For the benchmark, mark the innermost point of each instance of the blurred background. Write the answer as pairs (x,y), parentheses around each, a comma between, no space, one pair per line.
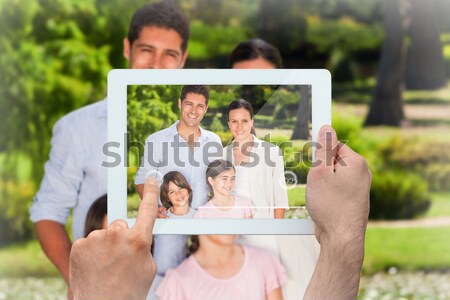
(390,62)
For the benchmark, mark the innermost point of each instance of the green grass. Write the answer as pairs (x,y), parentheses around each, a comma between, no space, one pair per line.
(407,249)
(440,205)
(25,260)
(296,196)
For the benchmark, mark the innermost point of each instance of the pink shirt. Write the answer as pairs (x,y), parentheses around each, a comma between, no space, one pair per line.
(260,274)
(242,209)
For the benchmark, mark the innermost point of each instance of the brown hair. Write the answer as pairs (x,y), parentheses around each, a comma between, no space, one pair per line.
(194,245)
(164,14)
(180,181)
(253,49)
(96,215)
(215,168)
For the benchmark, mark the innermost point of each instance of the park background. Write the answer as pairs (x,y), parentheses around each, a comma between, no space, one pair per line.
(390,62)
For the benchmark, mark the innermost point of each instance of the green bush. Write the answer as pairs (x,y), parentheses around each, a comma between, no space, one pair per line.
(438,177)
(225,136)
(430,159)
(15,200)
(301,171)
(216,125)
(131,172)
(398,195)
(348,127)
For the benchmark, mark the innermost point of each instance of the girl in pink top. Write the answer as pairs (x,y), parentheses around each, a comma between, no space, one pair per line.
(222,270)
(220,177)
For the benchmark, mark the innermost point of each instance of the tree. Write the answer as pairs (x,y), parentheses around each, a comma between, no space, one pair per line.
(386,106)
(301,128)
(425,63)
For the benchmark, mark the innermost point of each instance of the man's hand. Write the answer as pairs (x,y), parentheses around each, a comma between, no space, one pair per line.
(337,199)
(115,263)
(337,190)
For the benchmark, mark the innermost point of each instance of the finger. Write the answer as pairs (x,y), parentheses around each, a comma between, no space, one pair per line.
(118,225)
(344,155)
(327,147)
(148,209)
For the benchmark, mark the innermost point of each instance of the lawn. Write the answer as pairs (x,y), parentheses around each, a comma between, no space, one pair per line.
(26,259)
(407,249)
(440,205)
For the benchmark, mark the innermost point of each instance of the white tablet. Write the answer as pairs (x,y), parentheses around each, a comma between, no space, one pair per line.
(145,109)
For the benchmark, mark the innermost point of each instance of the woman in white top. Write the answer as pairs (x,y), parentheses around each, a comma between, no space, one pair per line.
(298,254)
(259,164)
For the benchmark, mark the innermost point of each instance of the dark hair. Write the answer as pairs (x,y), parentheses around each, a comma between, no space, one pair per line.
(253,49)
(194,245)
(164,14)
(215,168)
(179,180)
(195,89)
(96,215)
(241,103)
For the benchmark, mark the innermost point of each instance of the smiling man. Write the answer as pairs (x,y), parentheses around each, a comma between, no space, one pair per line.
(157,38)
(187,148)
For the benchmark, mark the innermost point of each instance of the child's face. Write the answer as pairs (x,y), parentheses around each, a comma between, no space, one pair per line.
(223,184)
(178,196)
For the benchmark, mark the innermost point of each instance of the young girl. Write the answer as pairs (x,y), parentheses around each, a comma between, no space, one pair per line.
(176,195)
(96,216)
(220,177)
(221,269)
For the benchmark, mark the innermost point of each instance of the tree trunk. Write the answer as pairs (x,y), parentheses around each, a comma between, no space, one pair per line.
(386,106)
(301,128)
(425,64)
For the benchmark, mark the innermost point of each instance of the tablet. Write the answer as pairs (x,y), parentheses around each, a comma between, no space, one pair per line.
(144,111)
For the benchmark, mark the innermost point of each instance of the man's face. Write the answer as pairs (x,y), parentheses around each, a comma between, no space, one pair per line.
(193,108)
(156,48)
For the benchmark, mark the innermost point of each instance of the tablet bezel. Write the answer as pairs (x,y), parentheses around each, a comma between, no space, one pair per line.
(120,79)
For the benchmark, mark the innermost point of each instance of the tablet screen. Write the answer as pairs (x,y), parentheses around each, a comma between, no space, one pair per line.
(221,152)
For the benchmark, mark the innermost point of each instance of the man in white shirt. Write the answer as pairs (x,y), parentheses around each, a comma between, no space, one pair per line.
(157,38)
(187,148)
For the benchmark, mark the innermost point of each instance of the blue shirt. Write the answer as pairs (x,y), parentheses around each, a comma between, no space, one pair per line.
(74,177)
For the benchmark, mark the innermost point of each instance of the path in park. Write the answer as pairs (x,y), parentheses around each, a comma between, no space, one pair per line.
(427,222)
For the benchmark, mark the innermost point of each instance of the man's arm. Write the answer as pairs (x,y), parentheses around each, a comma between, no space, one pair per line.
(337,198)
(57,194)
(337,273)
(279,184)
(56,245)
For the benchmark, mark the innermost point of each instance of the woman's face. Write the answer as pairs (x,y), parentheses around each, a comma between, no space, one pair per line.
(178,196)
(240,124)
(223,184)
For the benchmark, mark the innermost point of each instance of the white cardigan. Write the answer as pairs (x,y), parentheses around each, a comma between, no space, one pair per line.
(267,181)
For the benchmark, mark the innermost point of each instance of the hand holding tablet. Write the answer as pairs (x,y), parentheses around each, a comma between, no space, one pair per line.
(338,203)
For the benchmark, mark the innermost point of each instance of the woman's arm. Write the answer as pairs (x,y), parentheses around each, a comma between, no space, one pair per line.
(279,213)
(276,294)
(279,184)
